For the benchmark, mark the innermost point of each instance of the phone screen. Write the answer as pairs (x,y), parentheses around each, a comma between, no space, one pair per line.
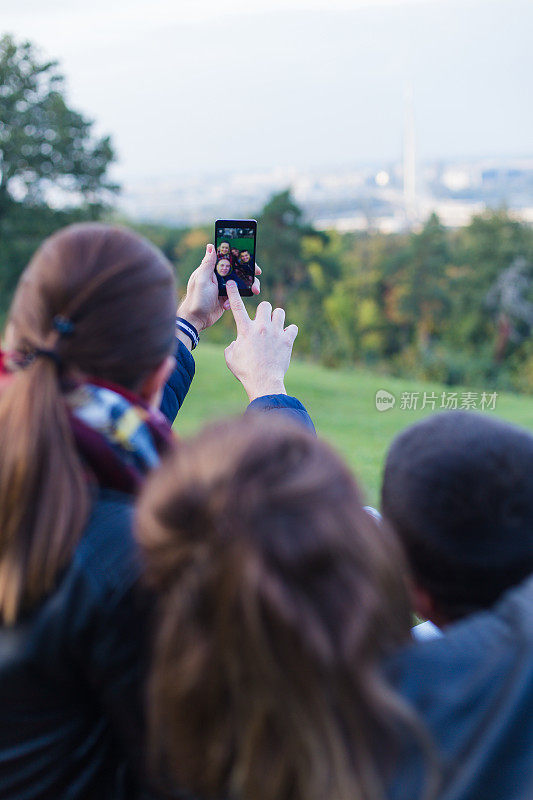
(235,241)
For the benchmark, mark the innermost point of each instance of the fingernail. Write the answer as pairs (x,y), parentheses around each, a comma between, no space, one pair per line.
(227,305)
(209,249)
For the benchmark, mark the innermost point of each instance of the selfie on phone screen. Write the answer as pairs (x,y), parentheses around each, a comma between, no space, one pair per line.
(235,244)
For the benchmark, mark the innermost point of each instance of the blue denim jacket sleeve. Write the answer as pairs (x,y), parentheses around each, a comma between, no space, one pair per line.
(178,383)
(285,405)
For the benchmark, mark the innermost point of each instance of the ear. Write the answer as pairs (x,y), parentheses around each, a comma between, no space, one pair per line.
(151,388)
(425,607)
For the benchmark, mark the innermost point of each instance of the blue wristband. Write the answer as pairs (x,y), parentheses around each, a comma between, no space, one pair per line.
(189,330)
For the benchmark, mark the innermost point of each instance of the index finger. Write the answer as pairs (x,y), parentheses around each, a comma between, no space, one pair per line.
(242,320)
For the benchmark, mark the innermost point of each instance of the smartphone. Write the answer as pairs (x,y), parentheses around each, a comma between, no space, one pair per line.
(235,242)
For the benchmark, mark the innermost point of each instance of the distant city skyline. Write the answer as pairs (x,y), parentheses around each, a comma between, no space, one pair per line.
(200,87)
(347,199)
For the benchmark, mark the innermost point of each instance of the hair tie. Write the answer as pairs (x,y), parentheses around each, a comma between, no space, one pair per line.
(51,355)
(63,325)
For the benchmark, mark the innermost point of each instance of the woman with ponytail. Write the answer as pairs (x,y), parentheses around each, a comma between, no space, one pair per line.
(90,352)
(280,599)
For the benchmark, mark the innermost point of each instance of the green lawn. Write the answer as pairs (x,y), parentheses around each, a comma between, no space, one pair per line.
(341,403)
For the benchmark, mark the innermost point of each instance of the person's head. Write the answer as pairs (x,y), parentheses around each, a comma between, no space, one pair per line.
(100,301)
(224,248)
(223,267)
(235,252)
(458,490)
(279,596)
(245,256)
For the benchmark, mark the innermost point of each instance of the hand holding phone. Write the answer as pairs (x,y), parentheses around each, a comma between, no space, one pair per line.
(202,305)
(235,242)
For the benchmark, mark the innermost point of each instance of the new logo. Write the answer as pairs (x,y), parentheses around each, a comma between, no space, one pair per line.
(384,400)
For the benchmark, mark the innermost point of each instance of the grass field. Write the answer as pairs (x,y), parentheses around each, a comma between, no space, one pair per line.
(341,404)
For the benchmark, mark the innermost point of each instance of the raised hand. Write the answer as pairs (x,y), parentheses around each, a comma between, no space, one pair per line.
(260,355)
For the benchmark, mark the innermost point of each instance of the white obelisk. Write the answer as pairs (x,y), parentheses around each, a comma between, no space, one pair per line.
(409,158)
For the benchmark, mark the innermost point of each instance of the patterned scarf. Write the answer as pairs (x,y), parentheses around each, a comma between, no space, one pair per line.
(119,437)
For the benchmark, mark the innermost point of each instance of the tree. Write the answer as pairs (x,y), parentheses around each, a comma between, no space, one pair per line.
(52,168)
(485,249)
(43,142)
(357,307)
(299,266)
(511,301)
(418,292)
(282,233)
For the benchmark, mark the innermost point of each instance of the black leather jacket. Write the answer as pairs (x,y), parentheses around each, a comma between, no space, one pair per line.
(70,674)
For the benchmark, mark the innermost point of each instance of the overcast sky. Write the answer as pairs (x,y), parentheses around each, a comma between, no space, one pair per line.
(196,85)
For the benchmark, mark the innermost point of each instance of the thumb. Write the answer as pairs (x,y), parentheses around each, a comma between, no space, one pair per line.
(228,352)
(209,260)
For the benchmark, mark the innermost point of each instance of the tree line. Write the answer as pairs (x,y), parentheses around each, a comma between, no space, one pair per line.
(454,306)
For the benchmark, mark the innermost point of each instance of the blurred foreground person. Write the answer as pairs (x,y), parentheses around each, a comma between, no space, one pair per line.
(90,345)
(279,596)
(458,490)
